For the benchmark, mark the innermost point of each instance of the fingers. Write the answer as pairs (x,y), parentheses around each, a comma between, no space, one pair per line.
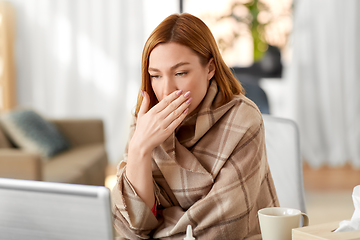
(163,104)
(178,109)
(145,103)
(172,103)
(175,113)
(168,112)
(156,123)
(177,120)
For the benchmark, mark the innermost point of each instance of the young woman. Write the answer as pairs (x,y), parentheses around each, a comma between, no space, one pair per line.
(196,153)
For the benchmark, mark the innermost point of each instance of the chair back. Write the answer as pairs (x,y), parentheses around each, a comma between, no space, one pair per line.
(284,157)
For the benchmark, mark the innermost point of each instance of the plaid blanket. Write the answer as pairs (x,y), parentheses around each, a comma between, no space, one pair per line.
(212,173)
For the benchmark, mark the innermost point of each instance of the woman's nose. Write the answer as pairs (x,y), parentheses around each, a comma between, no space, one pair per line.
(169,86)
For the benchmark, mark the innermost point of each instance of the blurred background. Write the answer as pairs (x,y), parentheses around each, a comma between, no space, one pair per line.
(296,59)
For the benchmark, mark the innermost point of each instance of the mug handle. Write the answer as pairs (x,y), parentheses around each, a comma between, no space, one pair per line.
(306,219)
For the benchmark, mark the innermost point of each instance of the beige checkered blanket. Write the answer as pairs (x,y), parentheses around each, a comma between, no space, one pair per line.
(212,173)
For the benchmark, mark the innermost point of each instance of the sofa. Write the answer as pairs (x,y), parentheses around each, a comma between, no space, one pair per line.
(84,162)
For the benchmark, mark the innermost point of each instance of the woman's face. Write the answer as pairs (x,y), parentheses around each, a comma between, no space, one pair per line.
(173,67)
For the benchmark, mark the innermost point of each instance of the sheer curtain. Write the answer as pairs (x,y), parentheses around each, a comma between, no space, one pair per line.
(326,75)
(81,58)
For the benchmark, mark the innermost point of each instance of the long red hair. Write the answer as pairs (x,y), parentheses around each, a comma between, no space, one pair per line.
(192,32)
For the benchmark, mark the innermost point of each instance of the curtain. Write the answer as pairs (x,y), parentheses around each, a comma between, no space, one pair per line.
(325,76)
(81,58)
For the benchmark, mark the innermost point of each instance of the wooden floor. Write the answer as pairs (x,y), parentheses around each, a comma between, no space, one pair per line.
(328,192)
(330,178)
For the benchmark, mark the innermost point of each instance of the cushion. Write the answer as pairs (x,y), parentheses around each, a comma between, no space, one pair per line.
(4,142)
(30,131)
(81,165)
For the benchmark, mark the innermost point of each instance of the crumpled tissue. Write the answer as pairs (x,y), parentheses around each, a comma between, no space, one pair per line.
(354,223)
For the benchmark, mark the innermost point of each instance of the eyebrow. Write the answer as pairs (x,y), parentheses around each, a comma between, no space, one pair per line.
(172,68)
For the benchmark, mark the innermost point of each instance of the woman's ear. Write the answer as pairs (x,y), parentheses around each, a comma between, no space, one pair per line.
(211,69)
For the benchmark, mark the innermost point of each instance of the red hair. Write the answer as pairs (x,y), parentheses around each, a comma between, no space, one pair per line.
(192,32)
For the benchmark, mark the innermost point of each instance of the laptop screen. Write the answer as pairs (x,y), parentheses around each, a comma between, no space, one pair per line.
(35,210)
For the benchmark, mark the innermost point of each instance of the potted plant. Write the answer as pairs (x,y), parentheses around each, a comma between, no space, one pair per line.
(254,17)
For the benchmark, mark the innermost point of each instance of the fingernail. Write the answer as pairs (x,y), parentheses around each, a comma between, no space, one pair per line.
(179,92)
(142,92)
(189,100)
(187,94)
(186,110)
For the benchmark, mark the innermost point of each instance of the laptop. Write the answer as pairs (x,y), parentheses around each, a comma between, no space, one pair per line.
(35,210)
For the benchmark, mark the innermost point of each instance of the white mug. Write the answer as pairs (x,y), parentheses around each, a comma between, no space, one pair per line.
(276,223)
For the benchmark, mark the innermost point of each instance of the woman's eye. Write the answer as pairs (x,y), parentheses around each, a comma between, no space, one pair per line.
(154,76)
(181,74)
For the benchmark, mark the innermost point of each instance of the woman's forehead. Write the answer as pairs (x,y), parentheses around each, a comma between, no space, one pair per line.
(171,54)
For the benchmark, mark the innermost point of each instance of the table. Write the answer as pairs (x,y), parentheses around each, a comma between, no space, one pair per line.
(323,232)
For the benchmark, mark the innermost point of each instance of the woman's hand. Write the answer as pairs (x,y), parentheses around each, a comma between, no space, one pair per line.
(154,126)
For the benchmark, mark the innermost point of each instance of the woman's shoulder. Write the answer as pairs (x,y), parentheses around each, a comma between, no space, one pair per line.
(246,111)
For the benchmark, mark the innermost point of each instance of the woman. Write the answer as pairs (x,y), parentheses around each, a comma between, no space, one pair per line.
(196,152)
